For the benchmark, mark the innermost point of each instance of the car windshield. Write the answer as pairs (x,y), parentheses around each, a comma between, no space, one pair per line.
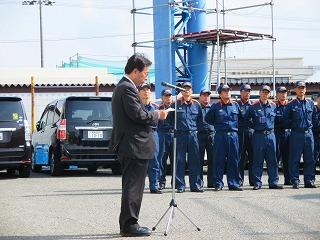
(89,111)
(11,111)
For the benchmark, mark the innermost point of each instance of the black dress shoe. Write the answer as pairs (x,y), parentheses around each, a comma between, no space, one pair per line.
(256,187)
(162,186)
(135,231)
(218,188)
(199,190)
(155,191)
(287,183)
(295,185)
(180,190)
(275,187)
(234,188)
(310,185)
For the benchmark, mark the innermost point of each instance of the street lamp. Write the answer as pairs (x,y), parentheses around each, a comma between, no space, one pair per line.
(40,3)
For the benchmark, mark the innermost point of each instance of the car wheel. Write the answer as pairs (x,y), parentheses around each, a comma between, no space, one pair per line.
(92,169)
(11,172)
(56,168)
(24,171)
(36,168)
(116,170)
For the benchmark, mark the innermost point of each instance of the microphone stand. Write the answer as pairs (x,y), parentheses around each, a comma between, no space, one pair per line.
(173,204)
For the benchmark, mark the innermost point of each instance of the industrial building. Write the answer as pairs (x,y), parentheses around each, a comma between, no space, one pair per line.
(54,83)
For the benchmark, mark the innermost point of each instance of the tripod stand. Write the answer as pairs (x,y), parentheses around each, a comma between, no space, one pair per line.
(173,204)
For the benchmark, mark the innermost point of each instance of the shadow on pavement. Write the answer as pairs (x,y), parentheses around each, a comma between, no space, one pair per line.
(307,196)
(64,237)
(66,173)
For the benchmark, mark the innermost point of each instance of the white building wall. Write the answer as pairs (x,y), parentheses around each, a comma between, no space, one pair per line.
(291,68)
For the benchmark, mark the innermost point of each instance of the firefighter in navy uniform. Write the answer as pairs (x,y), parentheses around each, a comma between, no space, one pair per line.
(245,134)
(316,130)
(299,116)
(189,115)
(205,136)
(282,133)
(224,117)
(262,114)
(153,167)
(165,132)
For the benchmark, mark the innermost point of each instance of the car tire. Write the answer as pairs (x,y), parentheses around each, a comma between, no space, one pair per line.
(24,171)
(56,168)
(92,169)
(11,172)
(116,170)
(37,168)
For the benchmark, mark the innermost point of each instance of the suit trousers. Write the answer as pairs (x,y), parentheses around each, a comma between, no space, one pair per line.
(134,172)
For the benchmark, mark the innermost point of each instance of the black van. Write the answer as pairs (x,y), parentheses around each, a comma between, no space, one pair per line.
(15,137)
(74,133)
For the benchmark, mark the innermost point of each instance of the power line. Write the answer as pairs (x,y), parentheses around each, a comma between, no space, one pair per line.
(72,39)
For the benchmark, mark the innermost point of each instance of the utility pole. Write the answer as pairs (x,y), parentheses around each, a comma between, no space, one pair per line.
(40,3)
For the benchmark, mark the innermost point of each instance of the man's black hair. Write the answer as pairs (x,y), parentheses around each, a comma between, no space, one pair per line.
(137,61)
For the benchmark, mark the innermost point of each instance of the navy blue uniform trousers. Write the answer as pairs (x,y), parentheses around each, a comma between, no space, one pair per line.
(316,147)
(188,143)
(264,148)
(154,166)
(301,143)
(165,151)
(225,156)
(206,145)
(282,151)
(245,138)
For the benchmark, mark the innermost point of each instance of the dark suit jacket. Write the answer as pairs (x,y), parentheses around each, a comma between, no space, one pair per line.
(132,133)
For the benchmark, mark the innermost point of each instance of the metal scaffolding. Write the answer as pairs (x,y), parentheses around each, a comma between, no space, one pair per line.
(218,38)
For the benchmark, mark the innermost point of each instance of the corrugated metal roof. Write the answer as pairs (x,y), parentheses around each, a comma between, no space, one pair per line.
(55,77)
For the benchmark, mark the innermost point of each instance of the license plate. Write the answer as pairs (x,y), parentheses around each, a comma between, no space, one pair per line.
(95,134)
(1,136)
(73,167)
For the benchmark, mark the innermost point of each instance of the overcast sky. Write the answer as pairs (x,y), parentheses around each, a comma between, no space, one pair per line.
(102,29)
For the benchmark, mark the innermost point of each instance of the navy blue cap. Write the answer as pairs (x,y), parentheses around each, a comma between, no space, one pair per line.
(300,84)
(144,85)
(204,91)
(187,84)
(223,87)
(245,87)
(281,89)
(166,92)
(265,88)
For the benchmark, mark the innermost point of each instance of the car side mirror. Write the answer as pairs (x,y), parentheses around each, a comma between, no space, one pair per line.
(38,126)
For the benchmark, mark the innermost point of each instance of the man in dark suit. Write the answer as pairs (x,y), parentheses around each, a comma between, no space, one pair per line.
(133,141)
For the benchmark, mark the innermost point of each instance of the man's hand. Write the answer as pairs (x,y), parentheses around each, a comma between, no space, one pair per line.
(162,114)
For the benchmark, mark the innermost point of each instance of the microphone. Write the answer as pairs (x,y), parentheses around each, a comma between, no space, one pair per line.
(165,84)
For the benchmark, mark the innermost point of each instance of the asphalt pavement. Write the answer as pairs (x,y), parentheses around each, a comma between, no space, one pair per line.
(80,205)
